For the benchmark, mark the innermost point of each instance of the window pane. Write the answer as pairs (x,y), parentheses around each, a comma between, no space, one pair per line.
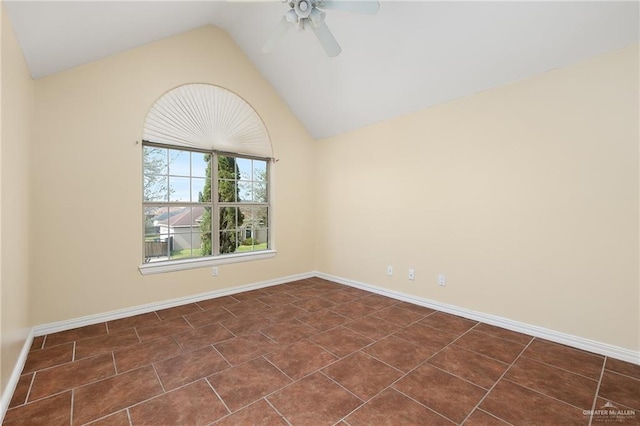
(245,191)
(228,241)
(156,188)
(180,220)
(197,190)
(179,189)
(227,191)
(179,163)
(204,228)
(260,192)
(227,168)
(155,234)
(199,164)
(260,170)
(155,160)
(228,218)
(244,167)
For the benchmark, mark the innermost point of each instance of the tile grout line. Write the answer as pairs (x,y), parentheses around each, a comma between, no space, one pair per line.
(159,380)
(129,416)
(277,411)
(219,397)
(33,378)
(544,394)
(73,394)
(595,397)
(560,368)
(498,381)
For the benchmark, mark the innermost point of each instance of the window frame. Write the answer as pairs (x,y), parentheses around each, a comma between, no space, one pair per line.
(215,258)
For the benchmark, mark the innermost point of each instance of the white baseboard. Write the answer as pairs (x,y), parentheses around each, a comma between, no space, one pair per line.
(41,330)
(532,330)
(8,391)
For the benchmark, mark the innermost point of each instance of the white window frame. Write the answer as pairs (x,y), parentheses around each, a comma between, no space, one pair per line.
(214,259)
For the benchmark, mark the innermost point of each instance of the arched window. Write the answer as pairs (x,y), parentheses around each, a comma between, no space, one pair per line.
(206,180)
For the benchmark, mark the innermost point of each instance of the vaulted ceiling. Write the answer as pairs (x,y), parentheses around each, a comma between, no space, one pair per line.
(408,56)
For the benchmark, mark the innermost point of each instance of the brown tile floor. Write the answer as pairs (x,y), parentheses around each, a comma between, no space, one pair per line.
(313,352)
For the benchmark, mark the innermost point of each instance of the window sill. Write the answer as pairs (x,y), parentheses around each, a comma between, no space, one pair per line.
(183,265)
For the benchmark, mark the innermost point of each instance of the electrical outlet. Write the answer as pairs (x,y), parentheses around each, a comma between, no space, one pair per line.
(390,270)
(442,280)
(412,274)
(214,271)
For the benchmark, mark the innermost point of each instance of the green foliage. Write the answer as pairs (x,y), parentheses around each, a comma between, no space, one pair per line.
(250,242)
(230,217)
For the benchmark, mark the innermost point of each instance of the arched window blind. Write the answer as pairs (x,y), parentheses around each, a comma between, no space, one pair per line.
(207,117)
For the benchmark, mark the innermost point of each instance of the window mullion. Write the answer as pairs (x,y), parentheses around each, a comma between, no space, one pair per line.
(215,213)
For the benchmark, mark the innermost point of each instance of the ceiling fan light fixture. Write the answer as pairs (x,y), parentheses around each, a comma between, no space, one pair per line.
(303,8)
(291,16)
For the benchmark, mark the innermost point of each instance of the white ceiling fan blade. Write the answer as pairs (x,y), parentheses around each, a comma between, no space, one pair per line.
(364,7)
(276,37)
(327,40)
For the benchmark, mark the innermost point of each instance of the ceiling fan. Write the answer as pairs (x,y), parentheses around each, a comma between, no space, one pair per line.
(307,14)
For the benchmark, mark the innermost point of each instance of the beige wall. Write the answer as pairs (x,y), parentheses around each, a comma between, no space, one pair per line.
(525,196)
(16,118)
(87,227)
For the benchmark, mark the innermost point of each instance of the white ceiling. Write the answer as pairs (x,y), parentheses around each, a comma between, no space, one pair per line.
(409,56)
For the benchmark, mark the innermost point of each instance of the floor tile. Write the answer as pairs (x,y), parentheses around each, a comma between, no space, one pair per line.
(48,357)
(107,343)
(427,337)
(75,334)
(471,366)
(574,360)
(121,418)
(195,404)
(341,341)
(248,382)
(245,307)
(284,313)
(249,295)
(493,347)
(178,311)
(164,328)
(363,375)
(71,375)
(560,384)
(422,310)
(376,301)
(107,396)
(19,396)
(503,333)
(217,302)
(146,353)
(201,337)
(187,368)
(392,408)
(257,414)
(339,296)
(301,358)
(373,327)
(353,310)
(314,400)
(38,343)
(278,299)
(308,294)
(521,406)
(247,323)
(482,418)
(323,320)
(314,304)
(449,323)
(399,353)
(622,367)
(398,316)
(141,320)
(285,333)
(450,396)
(212,316)
(246,347)
(53,411)
(622,389)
